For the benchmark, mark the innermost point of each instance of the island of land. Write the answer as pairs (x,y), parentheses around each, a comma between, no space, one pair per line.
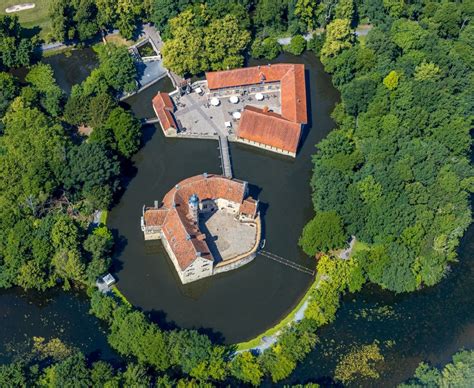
(208,224)
(261,106)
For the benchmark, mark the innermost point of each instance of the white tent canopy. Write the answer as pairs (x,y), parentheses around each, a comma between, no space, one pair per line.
(215,101)
(234,99)
(259,96)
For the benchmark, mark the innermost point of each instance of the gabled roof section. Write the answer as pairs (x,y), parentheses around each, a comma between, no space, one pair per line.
(163,101)
(292,83)
(164,108)
(269,128)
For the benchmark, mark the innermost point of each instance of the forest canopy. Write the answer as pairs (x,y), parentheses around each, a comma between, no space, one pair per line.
(397,169)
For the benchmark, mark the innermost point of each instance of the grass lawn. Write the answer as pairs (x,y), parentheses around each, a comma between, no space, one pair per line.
(30,18)
(103,217)
(118,40)
(280,325)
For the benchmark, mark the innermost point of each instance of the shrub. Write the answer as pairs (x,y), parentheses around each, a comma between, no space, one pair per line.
(297,45)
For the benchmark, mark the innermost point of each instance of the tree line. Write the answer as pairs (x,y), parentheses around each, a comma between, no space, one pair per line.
(53,179)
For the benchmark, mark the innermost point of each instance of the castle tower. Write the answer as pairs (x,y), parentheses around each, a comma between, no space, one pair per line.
(193,204)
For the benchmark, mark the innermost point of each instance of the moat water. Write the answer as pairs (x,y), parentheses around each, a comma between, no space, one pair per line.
(428,325)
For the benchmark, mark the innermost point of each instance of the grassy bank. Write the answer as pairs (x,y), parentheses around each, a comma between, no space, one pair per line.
(242,346)
(31,18)
(120,296)
(61,50)
(103,217)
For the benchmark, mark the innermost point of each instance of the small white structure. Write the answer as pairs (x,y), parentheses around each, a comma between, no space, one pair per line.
(234,99)
(259,96)
(228,124)
(20,7)
(215,101)
(198,91)
(237,115)
(105,282)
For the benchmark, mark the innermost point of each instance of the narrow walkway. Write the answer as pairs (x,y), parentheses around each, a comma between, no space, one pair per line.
(225,156)
(287,262)
(151,121)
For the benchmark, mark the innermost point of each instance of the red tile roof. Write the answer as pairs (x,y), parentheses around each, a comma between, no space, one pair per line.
(155,217)
(249,207)
(163,107)
(182,233)
(290,76)
(269,128)
(163,100)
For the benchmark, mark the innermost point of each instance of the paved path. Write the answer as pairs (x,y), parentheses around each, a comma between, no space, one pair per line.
(286,41)
(361,30)
(53,46)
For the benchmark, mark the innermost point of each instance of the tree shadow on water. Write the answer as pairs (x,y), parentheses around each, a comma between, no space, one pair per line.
(120,242)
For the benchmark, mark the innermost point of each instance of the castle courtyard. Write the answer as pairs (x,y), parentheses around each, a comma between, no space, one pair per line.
(198,117)
(228,237)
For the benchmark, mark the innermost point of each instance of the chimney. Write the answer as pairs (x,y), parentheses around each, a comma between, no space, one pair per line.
(156,204)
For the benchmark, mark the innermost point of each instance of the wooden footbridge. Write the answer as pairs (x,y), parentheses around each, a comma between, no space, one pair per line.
(287,262)
(225,156)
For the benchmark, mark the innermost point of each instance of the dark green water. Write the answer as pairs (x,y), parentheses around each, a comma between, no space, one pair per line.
(428,325)
(72,67)
(52,314)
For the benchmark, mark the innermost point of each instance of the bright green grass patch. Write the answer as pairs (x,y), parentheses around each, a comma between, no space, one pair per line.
(103,217)
(360,246)
(121,296)
(242,346)
(30,18)
(62,50)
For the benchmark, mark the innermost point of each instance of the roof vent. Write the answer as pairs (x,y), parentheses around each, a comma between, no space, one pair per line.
(204,175)
(269,65)
(156,204)
(198,254)
(188,237)
(176,187)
